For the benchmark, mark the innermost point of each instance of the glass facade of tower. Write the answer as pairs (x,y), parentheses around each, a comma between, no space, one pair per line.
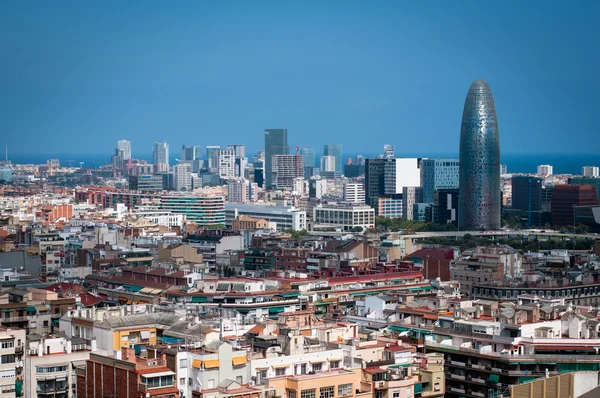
(276,143)
(335,150)
(480,197)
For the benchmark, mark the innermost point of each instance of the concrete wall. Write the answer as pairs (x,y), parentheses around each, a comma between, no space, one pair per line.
(21,259)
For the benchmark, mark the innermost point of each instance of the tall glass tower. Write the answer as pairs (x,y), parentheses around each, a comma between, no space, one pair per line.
(276,143)
(334,150)
(479,161)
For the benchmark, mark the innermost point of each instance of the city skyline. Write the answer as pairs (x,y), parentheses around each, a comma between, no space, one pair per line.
(148,89)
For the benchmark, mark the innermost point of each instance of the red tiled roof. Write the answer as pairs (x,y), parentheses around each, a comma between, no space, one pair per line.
(61,286)
(89,300)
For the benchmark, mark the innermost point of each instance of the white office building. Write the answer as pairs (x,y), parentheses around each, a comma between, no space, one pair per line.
(182,177)
(344,216)
(226,163)
(410,197)
(402,172)
(328,163)
(354,192)
(285,217)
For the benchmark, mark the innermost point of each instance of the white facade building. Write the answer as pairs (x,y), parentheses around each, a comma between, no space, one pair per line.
(590,171)
(242,191)
(125,146)
(285,169)
(182,177)
(11,366)
(544,170)
(403,172)
(285,217)
(328,163)
(410,196)
(226,163)
(354,192)
(344,216)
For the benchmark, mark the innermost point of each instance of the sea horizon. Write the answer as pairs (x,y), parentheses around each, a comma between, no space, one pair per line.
(515,162)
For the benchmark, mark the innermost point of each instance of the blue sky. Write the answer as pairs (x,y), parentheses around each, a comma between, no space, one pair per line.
(78,76)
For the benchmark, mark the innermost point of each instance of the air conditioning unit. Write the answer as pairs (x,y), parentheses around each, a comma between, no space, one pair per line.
(152,363)
(251,383)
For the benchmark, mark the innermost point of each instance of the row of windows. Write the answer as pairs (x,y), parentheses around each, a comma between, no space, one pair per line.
(50,369)
(324,392)
(556,293)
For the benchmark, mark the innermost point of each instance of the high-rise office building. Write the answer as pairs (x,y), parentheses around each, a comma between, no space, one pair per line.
(334,150)
(590,171)
(437,174)
(545,170)
(503,169)
(375,180)
(160,157)
(410,197)
(479,182)
(182,177)
(238,149)
(309,156)
(285,169)
(400,173)
(125,146)
(226,163)
(276,143)
(445,206)
(586,181)
(527,198)
(212,157)
(565,198)
(328,164)
(388,151)
(191,153)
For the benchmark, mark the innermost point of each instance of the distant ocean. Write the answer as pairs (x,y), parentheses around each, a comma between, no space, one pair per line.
(516,163)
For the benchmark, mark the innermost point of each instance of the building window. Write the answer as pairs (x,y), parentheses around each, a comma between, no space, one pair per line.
(346,389)
(326,392)
(317,367)
(32,324)
(312,393)
(396,394)
(334,364)
(280,372)
(183,363)
(290,393)
(182,381)
(409,392)
(7,344)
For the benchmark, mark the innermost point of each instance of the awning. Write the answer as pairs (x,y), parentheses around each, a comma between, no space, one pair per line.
(170,340)
(494,378)
(198,299)
(291,294)
(276,310)
(211,364)
(135,289)
(30,308)
(317,361)
(358,294)
(237,361)
(196,363)
(145,334)
(321,304)
(7,310)
(280,366)
(398,328)
(159,374)
(334,359)
(400,365)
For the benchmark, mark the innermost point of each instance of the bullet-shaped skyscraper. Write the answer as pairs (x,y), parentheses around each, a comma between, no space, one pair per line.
(479,161)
